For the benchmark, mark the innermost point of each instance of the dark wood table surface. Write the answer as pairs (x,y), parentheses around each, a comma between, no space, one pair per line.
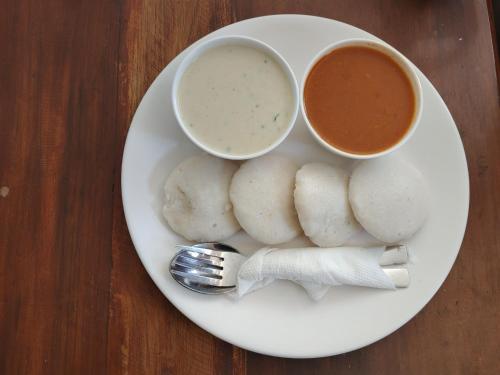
(74,297)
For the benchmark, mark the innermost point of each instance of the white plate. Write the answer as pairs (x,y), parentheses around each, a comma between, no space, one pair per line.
(281,320)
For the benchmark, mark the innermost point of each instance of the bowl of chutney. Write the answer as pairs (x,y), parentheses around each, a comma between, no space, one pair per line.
(361,98)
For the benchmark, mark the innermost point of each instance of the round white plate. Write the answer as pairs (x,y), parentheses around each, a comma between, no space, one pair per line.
(281,320)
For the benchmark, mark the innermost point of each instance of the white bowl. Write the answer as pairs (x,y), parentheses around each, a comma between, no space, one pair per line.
(401,61)
(201,48)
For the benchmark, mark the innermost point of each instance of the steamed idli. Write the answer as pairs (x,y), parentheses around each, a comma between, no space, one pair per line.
(197,204)
(389,197)
(262,196)
(323,206)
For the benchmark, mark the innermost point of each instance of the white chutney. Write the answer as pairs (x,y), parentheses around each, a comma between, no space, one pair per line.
(235,99)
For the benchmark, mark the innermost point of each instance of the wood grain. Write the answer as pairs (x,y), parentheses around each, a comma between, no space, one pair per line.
(494,11)
(74,297)
(58,74)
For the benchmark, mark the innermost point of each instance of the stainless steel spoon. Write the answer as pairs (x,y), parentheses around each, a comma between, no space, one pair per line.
(208,268)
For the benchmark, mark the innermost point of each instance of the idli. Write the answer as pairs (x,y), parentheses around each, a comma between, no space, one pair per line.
(322,204)
(197,204)
(262,196)
(389,197)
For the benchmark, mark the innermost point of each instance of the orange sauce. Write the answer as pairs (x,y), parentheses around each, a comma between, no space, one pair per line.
(359,100)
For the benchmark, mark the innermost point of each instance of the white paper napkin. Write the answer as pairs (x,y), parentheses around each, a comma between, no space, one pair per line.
(316,269)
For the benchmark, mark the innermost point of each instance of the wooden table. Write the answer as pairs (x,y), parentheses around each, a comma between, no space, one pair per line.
(74,297)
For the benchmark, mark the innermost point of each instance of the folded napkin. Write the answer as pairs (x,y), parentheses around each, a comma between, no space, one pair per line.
(316,269)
